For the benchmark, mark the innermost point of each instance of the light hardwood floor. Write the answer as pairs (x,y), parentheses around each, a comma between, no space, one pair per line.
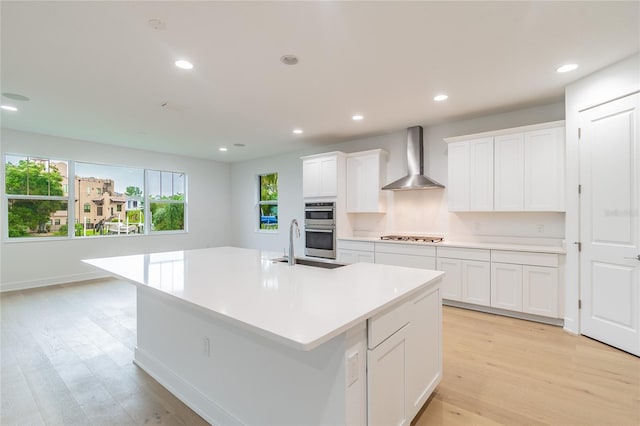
(67,350)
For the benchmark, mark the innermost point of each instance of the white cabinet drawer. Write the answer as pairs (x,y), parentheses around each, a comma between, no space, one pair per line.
(464,253)
(387,322)
(412,249)
(411,261)
(525,258)
(356,245)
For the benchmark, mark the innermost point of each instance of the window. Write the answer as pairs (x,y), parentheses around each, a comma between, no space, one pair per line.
(268,201)
(106,200)
(166,200)
(35,193)
(108,188)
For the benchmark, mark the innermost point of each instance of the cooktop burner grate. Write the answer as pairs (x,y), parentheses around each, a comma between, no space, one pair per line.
(416,238)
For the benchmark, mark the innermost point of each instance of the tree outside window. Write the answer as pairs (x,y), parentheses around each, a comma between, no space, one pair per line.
(167,200)
(34,189)
(268,201)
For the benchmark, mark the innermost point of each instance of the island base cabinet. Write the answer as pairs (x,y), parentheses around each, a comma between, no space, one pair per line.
(386,381)
(231,376)
(405,362)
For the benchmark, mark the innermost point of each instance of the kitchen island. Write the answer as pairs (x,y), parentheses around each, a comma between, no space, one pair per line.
(242,339)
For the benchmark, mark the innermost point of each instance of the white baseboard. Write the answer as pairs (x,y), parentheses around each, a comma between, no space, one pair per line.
(65,279)
(184,391)
(571,326)
(504,312)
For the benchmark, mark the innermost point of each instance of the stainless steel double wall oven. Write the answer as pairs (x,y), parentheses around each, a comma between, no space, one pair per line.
(320,230)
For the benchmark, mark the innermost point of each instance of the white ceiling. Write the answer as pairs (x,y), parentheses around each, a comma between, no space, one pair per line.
(98,71)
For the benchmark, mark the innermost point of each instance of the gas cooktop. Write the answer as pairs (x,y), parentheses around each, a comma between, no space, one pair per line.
(416,238)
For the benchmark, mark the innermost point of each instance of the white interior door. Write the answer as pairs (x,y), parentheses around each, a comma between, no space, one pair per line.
(609,227)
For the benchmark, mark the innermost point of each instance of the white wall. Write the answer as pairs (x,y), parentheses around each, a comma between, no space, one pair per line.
(612,82)
(408,211)
(34,263)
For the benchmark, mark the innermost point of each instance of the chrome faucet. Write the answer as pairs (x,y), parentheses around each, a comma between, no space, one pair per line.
(292,259)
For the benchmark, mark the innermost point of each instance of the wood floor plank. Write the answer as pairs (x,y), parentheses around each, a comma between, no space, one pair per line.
(67,360)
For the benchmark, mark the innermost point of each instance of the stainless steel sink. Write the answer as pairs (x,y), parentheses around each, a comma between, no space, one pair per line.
(315,263)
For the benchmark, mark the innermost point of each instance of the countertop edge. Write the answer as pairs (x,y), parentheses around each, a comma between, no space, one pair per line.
(468,244)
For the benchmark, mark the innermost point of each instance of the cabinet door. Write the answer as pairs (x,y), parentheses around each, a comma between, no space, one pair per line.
(476,283)
(506,286)
(424,351)
(363,184)
(481,174)
(311,178)
(509,172)
(544,170)
(540,290)
(424,262)
(329,176)
(452,280)
(386,381)
(458,187)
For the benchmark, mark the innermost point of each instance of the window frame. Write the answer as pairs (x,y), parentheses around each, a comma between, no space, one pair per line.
(260,203)
(71,196)
(148,200)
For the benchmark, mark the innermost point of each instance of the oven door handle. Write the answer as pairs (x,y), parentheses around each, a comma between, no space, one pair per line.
(327,231)
(318,209)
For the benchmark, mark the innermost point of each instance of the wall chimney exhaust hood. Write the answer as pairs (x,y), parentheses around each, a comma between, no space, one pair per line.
(415,179)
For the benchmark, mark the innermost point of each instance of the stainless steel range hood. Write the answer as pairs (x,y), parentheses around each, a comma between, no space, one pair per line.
(415,164)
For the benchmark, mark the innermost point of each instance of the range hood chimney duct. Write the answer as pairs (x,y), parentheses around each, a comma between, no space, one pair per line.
(415,179)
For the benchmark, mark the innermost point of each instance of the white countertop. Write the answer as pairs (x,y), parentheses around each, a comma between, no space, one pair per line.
(470,244)
(300,306)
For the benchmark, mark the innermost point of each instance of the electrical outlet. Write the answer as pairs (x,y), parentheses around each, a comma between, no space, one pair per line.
(353,364)
(540,228)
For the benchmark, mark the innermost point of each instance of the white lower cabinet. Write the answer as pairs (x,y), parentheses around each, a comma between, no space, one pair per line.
(506,286)
(452,280)
(355,251)
(413,256)
(525,282)
(468,275)
(476,282)
(355,256)
(540,290)
(404,360)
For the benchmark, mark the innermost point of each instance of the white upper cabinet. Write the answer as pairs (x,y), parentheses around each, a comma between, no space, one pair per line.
(459,184)
(365,177)
(509,172)
(544,170)
(481,174)
(520,169)
(320,175)
(471,175)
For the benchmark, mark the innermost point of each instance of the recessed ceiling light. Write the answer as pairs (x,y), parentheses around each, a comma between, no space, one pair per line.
(185,65)
(297,131)
(8,108)
(567,68)
(357,117)
(223,149)
(289,59)
(440,98)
